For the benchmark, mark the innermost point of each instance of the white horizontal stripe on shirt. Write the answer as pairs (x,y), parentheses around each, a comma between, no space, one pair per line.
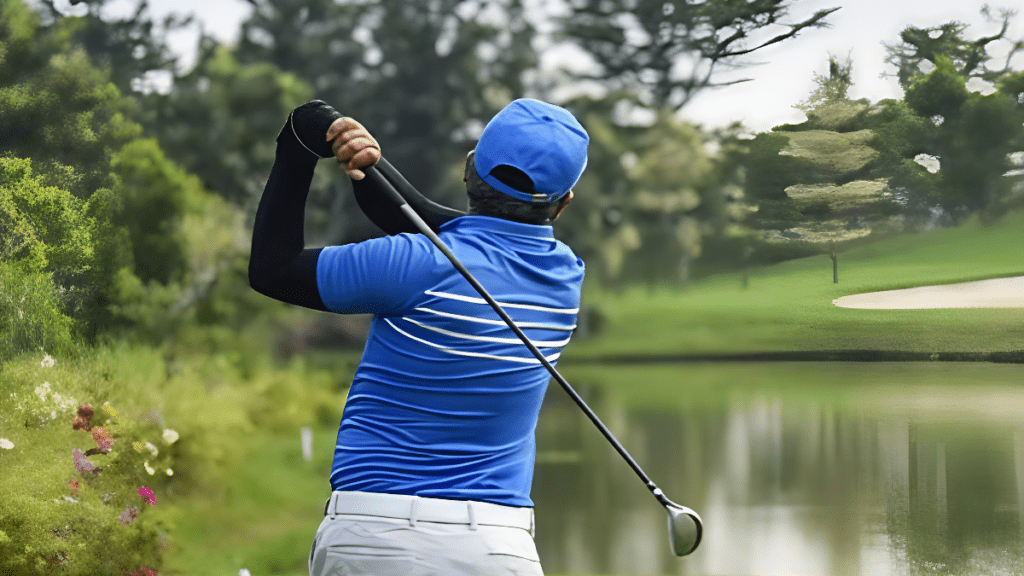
(537,343)
(498,322)
(551,358)
(473,300)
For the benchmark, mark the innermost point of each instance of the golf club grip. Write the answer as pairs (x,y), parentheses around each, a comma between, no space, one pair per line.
(372,172)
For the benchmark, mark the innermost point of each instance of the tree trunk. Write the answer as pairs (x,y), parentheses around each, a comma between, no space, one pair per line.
(835,265)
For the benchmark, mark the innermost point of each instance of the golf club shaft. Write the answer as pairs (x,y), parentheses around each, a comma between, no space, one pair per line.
(372,172)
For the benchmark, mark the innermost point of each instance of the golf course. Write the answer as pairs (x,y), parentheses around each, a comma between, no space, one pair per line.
(774,246)
(653,370)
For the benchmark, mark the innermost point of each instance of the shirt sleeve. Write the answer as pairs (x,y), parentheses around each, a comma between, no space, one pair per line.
(378,276)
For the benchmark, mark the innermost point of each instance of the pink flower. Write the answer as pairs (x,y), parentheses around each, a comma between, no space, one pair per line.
(103,439)
(82,463)
(147,495)
(144,571)
(129,515)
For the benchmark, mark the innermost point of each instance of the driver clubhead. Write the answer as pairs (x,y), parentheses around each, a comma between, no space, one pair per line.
(684,529)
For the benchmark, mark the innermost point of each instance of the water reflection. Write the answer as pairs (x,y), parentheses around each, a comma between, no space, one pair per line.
(788,483)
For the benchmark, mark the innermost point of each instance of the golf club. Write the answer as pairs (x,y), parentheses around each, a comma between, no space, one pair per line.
(685,528)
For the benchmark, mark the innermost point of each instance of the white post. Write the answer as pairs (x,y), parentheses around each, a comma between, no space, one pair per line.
(307,443)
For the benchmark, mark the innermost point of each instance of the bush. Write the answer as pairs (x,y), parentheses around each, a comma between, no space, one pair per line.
(30,315)
(210,400)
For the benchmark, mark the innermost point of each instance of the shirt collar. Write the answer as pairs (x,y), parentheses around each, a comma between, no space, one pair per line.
(499,225)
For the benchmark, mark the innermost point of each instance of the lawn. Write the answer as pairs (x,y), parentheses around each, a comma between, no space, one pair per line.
(789,307)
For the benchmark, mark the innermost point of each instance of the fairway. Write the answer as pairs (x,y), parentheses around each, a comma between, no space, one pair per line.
(788,307)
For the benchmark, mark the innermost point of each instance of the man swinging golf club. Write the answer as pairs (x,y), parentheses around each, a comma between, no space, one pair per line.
(435,452)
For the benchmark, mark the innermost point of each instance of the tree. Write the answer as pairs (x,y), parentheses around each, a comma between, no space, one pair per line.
(126,48)
(87,201)
(422,76)
(973,136)
(668,52)
(832,89)
(968,58)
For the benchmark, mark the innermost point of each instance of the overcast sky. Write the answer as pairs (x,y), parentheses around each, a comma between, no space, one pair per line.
(783,78)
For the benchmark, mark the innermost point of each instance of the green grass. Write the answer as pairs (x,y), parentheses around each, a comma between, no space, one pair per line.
(789,307)
(268,520)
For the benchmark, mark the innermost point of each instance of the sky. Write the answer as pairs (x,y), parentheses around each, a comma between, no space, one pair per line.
(781,75)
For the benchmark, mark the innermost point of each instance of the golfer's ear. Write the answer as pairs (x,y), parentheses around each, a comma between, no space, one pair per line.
(561,205)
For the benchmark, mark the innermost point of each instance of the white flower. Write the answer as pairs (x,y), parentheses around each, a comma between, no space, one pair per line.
(43,390)
(152,449)
(244,572)
(6,444)
(149,469)
(170,472)
(48,361)
(170,436)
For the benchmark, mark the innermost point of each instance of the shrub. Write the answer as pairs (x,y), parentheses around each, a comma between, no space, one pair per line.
(30,315)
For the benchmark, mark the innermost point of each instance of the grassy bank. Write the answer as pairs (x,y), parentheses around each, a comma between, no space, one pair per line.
(789,307)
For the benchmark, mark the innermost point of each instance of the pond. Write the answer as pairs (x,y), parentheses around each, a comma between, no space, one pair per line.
(796,468)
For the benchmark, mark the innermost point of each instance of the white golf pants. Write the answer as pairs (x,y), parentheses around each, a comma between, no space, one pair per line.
(387,534)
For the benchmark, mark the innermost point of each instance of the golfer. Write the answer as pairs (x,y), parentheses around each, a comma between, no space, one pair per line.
(435,452)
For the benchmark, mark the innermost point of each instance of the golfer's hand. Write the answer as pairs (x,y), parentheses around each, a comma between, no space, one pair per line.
(353,146)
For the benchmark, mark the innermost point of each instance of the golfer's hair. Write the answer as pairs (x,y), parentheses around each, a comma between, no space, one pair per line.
(484,200)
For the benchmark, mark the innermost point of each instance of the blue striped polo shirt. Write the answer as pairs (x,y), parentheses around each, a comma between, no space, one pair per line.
(445,401)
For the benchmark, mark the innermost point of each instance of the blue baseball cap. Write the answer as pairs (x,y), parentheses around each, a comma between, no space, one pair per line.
(545,141)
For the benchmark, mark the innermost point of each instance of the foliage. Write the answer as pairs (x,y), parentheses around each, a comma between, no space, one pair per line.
(966,57)
(221,119)
(650,195)
(833,88)
(31,316)
(974,137)
(128,48)
(769,172)
(128,237)
(666,53)
(176,420)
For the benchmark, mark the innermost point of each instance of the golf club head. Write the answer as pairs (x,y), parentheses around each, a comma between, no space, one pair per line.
(684,529)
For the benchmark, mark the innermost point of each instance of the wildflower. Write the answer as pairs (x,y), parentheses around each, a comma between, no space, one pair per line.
(6,444)
(74,485)
(103,439)
(139,446)
(149,469)
(170,472)
(152,449)
(144,571)
(147,495)
(48,361)
(82,463)
(244,572)
(129,515)
(109,410)
(43,390)
(85,413)
(170,436)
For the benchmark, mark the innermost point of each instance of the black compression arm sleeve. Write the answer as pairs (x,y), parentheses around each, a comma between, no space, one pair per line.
(279,266)
(383,212)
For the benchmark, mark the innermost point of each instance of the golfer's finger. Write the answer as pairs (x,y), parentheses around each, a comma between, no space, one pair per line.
(342,125)
(363,158)
(345,152)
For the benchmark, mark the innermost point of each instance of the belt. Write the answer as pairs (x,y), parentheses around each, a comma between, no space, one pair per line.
(418,508)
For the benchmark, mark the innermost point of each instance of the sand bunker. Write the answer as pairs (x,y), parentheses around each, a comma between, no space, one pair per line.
(996,293)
